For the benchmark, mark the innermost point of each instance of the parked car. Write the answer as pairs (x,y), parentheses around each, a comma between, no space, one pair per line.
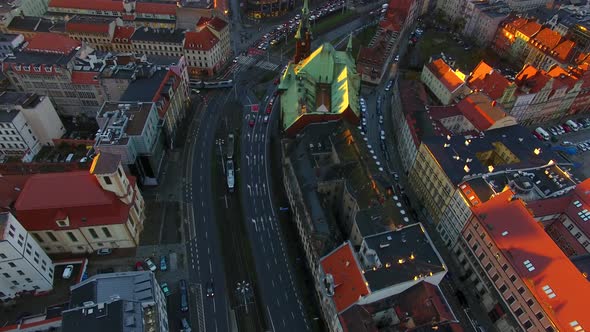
(104,251)
(139,266)
(150,264)
(163,266)
(67,274)
(165,289)
(566,128)
(185,325)
(183,296)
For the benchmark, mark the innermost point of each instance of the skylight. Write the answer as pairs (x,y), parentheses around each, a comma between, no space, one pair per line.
(549,291)
(529,265)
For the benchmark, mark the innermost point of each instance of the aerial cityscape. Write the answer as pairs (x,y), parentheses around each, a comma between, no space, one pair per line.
(294,165)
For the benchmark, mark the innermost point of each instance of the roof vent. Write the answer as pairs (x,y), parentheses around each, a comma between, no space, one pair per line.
(549,291)
(504,233)
(529,265)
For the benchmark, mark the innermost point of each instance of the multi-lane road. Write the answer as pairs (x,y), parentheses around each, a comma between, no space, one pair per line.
(203,246)
(280,296)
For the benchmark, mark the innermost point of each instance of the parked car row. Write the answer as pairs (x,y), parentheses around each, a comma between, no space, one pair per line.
(557,130)
(280,32)
(148,264)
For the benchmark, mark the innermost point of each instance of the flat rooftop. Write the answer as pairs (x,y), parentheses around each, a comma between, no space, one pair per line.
(404,254)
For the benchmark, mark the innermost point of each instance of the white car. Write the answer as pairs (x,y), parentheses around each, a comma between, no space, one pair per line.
(150,265)
(68,272)
(382,134)
(380,119)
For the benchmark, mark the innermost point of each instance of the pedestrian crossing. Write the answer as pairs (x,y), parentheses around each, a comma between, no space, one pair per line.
(246,60)
(267,65)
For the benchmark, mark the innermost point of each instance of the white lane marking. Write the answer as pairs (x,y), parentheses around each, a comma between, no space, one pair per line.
(271,321)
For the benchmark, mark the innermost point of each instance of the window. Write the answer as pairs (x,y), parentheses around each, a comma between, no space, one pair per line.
(530,302)
(503,288)
(51,236)
(72,237)
(28,280)
(62,223)
(2,256)
(518,312)
(468,237)
(6,275)
(505,267)
(20,273)
(93,233)
(481,255)
(539,315)
(11,264)
(510,300)
(14,282)
(527,325)
(495,277)
(570,227)
(513,278)
(107,179)
(488,266)
(550,329)
(578,235)
(106,232)
(520,290)
(119,171)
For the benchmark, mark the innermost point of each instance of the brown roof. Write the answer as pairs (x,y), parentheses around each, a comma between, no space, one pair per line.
(445,74)
(217,23)
(563,51)
(488,80)
(203,40)
(547,39)
(105,163)
(530,29)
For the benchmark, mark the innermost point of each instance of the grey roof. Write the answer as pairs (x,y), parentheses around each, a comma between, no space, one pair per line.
(38,58)
(117,316)
(402,243)
(453,154)
(6,116)
(107,163)
(24,99)
(169,36)
(144,89)
(36,24)
(7,37)
(130,286)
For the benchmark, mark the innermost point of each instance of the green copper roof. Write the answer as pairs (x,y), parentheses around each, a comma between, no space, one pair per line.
(325,81)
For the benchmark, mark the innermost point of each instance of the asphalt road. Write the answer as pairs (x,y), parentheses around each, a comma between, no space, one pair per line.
(275,277)
(203,247)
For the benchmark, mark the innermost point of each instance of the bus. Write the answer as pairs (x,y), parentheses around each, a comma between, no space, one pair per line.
(231,181)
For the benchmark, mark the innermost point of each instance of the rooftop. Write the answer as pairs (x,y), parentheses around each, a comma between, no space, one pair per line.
(118,121)
(401,255)
(488,80)
(452,79)
(158,8)
(105,163)
(504,148)
(342,270)
(76,195)
(530,28)
(52,43)
(546,39)
(35,24)
(169,36)
(89,24)
(123,34)
(144,89)
(422,307)
(102,5)
(115,316)
(106,287)
(9,99)
(481,111)
(555,282)
(202,40)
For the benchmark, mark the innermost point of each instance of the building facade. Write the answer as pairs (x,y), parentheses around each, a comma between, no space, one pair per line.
(30,122)
(25,267)
(446,83)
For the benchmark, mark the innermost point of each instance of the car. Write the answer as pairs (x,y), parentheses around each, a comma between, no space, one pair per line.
(185,325)
(396,58)
(165,289)
(382,134)
(395,176)
(388,86)
(251,122)
(67,274)
(210,288)
(269,109)
(139,266)
(163,266)
(566,128)
(104,251)
(553,131)
(538,136)
(183,295)
(566,143)
(150,264)
(380,119)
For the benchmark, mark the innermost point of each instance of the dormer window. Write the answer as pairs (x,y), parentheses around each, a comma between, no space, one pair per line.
(27,68)
(63,222)
(48,69)
(37,68)
(107,180)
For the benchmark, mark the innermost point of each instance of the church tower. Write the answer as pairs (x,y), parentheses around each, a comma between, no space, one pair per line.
(303,35)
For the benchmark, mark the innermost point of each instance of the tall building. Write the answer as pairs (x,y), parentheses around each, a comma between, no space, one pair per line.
(27,123)
(446,83)
(207,48)
(303,35)
(81,211)
(525,281)
(24,266)
(125,301)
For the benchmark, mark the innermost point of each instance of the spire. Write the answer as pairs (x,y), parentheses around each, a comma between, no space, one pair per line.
(349,45)
(298,33)
(305,14)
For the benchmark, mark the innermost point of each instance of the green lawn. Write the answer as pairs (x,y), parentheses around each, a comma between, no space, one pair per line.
(433,42)
(332,22)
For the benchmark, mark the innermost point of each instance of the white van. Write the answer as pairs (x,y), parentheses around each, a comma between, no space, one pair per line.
(572,125)
(543,133)
(69,158)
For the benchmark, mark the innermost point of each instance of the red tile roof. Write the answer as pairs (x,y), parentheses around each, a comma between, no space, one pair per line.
(531,78)
(217,23)
(529,29)
(581,195)
(10,188)
(396,14)
(546,207)
(155,8)
(123,34)
(47,42)
(488,80)
(480,110)
(524,240)
(93,27)
(349,281)
(518,22)
(203,40)
(563,51)
(85,77)
(78,195)
(445,74)
(108,5)
(561,78)
(547,39)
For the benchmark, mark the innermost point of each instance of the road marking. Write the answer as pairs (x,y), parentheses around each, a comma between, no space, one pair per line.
(208,250)
(206,235)
(270,316)
(292,315)
(273,283)
(210,267)
(202,204)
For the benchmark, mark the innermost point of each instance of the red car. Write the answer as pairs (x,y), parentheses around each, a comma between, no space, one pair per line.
(139,266)
(251,122)
(537,135)
(269,109)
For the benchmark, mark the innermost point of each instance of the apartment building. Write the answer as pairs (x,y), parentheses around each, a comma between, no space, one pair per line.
(29,26)
(24,266)
(96,32)
(27,123)
(16,8)
(9,42)
(524,280)
(445,83)
(123,301)
(207,48)
(482,19)
(132,130)
(155,41)
(48,65)
(121,41)
(92,210)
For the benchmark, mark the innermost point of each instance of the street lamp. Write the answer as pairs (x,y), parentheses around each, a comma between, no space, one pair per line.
(243,289)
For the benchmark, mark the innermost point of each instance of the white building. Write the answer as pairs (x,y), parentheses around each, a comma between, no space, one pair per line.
(27,123)
(8,42)
(24,266)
